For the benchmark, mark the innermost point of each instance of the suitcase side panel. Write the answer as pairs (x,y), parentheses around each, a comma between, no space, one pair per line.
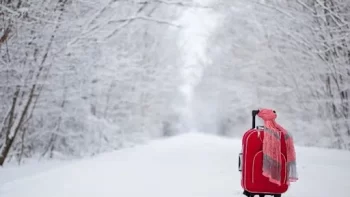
(250,146)
(252,178)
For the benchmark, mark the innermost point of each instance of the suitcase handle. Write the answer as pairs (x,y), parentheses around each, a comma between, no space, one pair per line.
(254,113)
(240,156)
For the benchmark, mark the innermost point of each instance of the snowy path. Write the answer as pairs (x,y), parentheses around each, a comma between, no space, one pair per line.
(190,165)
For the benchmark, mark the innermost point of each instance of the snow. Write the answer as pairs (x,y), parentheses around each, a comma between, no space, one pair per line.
(198,24)
(13,172)
(188,165)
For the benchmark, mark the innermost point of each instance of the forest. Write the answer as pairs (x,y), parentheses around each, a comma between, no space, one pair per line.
(78,78)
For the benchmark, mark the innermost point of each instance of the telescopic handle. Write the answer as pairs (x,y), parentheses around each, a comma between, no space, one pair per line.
(254,113)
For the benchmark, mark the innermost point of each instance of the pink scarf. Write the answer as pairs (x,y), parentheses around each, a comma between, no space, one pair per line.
(272,149)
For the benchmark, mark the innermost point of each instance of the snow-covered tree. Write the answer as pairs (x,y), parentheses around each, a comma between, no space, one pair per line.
(295,57)
(28,33)
(81,77)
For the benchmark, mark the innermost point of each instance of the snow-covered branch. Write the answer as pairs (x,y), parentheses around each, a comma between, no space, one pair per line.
(7,9)
(90,94)
(146,18)
(5,35)
(301,46)
(183,3)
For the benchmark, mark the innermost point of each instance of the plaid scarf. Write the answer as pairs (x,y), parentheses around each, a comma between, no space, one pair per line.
(272,149)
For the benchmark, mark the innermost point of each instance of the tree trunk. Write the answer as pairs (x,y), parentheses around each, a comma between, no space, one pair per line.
(11,135)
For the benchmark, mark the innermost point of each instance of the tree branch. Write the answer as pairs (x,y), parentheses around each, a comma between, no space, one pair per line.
(2,7)
(5,36)
(146,18)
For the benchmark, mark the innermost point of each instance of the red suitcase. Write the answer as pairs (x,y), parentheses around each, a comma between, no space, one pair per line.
(250,164)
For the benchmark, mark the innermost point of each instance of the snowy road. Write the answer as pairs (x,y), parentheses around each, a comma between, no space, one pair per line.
(190,165)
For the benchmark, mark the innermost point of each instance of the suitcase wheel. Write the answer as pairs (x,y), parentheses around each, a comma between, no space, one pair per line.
(248,194)
(263,195)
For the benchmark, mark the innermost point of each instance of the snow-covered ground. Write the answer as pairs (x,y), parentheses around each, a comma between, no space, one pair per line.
(189,165)
(12,171)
